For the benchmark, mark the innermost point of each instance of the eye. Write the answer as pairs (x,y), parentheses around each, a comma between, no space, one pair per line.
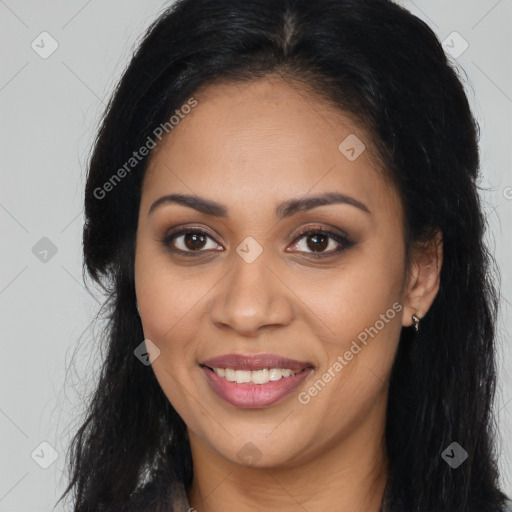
(318,240)
(189,241)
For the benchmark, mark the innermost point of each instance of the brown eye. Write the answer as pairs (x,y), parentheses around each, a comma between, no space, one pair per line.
(189,241)
(318,240)
(314,242)
(194,241)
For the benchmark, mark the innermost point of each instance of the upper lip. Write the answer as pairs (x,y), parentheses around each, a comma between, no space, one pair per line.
(255,362)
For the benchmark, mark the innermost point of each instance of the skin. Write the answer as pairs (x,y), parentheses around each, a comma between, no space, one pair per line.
(249,147)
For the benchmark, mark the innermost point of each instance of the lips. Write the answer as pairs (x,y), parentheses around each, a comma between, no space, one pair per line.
(250,394)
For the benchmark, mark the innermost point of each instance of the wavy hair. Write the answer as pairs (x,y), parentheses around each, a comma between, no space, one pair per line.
(385,67)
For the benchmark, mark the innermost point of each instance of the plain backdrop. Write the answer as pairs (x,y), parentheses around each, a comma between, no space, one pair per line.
(50,107)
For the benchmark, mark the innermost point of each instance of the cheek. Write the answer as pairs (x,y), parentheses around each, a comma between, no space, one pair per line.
(364,288)
(168,307)
(168,318)
(363,315)
(169,297)
(177,383)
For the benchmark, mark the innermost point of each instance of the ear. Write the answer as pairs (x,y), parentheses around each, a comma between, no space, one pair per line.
(423,278)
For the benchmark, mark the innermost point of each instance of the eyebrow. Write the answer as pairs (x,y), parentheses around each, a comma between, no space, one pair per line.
(285,209)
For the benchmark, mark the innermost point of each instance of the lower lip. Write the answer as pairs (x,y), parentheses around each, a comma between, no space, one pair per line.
(252,396)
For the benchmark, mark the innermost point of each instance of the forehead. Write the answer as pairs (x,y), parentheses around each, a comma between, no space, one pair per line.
(264,141)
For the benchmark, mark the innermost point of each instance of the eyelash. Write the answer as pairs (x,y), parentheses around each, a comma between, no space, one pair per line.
(343,241)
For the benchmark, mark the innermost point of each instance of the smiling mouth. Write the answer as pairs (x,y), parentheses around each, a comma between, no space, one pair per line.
(254,380)
(262,376)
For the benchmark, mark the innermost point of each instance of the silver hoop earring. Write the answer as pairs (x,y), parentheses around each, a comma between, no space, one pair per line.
(137,307)
(416,319)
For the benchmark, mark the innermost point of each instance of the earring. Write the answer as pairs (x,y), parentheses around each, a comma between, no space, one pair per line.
(137,307)
(416,319)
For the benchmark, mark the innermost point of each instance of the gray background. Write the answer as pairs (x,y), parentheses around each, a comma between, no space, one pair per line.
(50,108)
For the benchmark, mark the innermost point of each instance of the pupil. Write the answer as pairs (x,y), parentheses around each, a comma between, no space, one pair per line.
(316,244)
(191,240)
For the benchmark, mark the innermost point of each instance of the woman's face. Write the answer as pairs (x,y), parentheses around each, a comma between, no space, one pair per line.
(252,290)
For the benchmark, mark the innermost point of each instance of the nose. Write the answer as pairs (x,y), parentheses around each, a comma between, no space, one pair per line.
(251,298)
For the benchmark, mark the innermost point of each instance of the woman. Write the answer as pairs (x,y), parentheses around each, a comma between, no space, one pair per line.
(282,206)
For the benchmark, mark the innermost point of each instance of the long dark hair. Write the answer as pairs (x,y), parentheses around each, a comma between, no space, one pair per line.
(376,61)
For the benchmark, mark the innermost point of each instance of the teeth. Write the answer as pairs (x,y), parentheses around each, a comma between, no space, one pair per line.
(260,376)
(275,374)
(254,377)
(242,376)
